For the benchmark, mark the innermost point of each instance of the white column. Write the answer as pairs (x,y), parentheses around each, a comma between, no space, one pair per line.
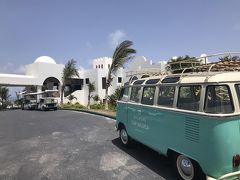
(39,88)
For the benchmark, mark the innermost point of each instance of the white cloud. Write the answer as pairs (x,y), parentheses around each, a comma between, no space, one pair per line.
(20,70)
(116,37)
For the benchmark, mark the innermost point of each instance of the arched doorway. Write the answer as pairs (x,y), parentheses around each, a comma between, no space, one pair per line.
(51,83)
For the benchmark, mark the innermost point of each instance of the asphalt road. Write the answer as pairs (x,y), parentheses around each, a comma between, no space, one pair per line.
(67,145)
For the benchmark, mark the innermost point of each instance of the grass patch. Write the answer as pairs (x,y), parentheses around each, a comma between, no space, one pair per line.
(95,108)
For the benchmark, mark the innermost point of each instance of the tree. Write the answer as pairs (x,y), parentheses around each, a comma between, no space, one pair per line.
(69,71)
(4,95)
(71,97)
(91,88)
(122,54)
(229,58)
(30,89)
(114,97)
(177,65)
(96,98)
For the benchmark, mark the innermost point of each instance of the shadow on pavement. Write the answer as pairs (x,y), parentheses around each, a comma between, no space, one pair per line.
(150,158)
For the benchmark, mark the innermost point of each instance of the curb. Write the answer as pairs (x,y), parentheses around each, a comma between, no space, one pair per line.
(90,112)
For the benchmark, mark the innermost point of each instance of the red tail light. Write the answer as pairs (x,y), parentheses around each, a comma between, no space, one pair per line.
(236,160)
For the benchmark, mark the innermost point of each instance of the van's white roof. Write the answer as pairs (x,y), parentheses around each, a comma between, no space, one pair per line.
(212,77)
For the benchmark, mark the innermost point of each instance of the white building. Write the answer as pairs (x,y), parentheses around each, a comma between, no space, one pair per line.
(45,73)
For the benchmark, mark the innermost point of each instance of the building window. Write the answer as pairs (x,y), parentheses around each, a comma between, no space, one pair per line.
(99,66)
(104,83)
(96,66)
(108,66)
(119,79)
(102,66)
(87,80)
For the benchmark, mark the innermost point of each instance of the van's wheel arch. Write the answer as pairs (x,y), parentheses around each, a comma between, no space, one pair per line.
(186,168)
(123,135)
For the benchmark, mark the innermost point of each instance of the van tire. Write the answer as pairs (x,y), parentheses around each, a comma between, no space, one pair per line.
(124,137)
(188,169)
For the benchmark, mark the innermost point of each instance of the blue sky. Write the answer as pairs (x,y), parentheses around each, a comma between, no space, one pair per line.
(84,30)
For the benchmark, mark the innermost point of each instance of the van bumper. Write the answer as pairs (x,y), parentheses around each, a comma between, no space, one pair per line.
(232,176)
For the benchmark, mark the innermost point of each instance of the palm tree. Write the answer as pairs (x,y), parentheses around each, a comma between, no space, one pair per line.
(71,97)
(31,88)
(69,71)
(229,58)
(177,65)
(114,97)
(122,54)
(91,88)
(4,94)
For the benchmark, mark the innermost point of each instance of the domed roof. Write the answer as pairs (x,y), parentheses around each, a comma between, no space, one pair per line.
(45,59)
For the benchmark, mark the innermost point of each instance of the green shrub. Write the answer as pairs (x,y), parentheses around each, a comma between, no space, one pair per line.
(79,106)
(68,105)
(74,106)
(97,106)
(112,107)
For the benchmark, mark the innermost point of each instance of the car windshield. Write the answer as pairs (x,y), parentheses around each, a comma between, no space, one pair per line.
(49,100)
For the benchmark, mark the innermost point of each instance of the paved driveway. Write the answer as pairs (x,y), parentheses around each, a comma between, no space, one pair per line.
(66,145)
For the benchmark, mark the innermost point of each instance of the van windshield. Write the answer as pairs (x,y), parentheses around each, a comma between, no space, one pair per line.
(49,101)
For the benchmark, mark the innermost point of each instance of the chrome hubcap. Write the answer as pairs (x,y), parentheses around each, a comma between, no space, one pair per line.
(124,136)
(185,167)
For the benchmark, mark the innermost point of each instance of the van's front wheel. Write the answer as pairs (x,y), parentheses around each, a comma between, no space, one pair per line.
(123,135)
(188,169)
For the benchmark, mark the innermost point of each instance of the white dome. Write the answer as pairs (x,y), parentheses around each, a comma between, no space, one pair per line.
(45,59)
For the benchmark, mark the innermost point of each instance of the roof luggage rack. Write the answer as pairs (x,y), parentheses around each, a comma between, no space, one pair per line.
(146,72)
(226,62)
(199,66)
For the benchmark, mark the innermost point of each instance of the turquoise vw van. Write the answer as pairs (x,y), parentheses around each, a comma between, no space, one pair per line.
(193,118)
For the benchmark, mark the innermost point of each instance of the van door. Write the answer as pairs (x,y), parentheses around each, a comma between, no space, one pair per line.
(148,114)
(122,107)
(134,113)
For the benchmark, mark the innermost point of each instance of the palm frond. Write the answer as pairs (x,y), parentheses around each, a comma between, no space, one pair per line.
(121,55)
(91,86)
(70,69)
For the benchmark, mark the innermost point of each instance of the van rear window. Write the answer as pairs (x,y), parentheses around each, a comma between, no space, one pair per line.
(218,100)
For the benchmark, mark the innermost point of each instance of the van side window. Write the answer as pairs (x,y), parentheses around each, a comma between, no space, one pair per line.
(237,86)
(189,97)
(135,94)
(166,95)
(124,94)
(218,99)
(148,95)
